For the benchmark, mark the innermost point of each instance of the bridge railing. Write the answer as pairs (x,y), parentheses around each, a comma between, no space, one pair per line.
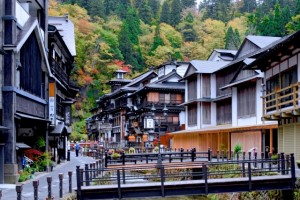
(244,169)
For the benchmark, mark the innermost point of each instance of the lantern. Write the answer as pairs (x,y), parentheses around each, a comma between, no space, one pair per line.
(131,138)
(145,137)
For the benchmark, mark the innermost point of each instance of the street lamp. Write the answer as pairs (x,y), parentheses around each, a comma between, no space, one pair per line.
(158,121)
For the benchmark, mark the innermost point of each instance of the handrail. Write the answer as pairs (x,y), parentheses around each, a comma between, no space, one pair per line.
(245,168)
(287,98)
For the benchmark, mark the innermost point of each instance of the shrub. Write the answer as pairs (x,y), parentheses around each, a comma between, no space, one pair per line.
(33,154)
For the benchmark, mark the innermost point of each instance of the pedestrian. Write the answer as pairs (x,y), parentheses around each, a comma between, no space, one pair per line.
(23,162)
(77,148)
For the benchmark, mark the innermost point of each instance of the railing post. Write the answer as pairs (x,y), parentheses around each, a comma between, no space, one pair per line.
(282,163)
(270,161)
(278,162)
(193,155)
(19,189)
(0,194)
(123,175)
(162,180)
(70,181)
(79,180)
(35,184)
(119,183)
(181,154)
(228,155)
(255,159)
(249,176)
(218,155)
(204,169)
(60,176)
(81,176)
(91,171)
(170,159)
(147,158)
(237,156)
(222,155)
(243,168)
(262,159)
(49,180)
(106,159)
(244,155)
(293,173)
(231,155)
(208,155)
(123,158)
(249,155)
(87,178)
(287,164)
(94,170)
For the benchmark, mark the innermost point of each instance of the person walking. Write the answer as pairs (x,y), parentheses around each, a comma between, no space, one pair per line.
(77,148)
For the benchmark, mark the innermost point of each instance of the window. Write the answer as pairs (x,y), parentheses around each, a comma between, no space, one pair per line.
(224,113)
(192,89)
(153,97)
(206,112)
(206,85)
(247,100)
(192,115)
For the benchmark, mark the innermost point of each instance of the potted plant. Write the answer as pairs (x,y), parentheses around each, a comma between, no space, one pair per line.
(115,156)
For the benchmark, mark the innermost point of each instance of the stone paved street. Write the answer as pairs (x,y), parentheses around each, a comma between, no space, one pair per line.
(9,191)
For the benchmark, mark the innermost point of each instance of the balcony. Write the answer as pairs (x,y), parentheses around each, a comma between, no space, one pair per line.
(58,72)
(282,103)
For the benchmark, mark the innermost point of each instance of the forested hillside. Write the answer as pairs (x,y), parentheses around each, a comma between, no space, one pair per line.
(144,33)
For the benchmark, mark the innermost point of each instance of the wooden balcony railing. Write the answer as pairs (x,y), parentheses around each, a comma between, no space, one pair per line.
(282,100)
(59,72)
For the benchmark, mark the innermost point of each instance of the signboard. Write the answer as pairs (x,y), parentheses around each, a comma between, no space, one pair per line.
(52,110)
(106,127)
(68,115)
(149,123)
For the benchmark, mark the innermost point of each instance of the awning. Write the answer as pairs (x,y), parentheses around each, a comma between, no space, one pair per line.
(21,115)
(60,129)
(20,145)
(3,128)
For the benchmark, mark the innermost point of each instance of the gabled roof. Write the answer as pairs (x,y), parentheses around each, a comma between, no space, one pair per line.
(168,77)
(268,50)
(204,67)
(262,41)
(258,41)
(66,30)
(132,86)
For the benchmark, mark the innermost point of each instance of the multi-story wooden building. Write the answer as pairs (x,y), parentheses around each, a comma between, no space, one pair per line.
(27,74)
(223,104)
(280,64)
(128,107)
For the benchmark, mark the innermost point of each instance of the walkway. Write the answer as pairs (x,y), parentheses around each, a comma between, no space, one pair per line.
(9,190)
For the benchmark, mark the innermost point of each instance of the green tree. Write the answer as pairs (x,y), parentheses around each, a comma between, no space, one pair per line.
(157,40)
(145,12)
(296,8)
(132,21)
(232,40)
(155,6)
(293,25)
(188,32)
(175,12)
(248,6)
(165,13)
(188,3)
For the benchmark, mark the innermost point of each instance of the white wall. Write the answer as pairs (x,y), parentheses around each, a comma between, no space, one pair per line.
(21,14)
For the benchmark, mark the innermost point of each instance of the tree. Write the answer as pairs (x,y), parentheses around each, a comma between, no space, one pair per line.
(145,12)
(165,13)
(154,5)
(248,6)
(133,23)
(157,40)
(188,3)
(232,39)
(293,25)
(175,12)
(188,32)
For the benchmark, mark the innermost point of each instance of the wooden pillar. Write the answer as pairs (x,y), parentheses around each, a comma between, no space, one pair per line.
(219,145)
(271,140)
